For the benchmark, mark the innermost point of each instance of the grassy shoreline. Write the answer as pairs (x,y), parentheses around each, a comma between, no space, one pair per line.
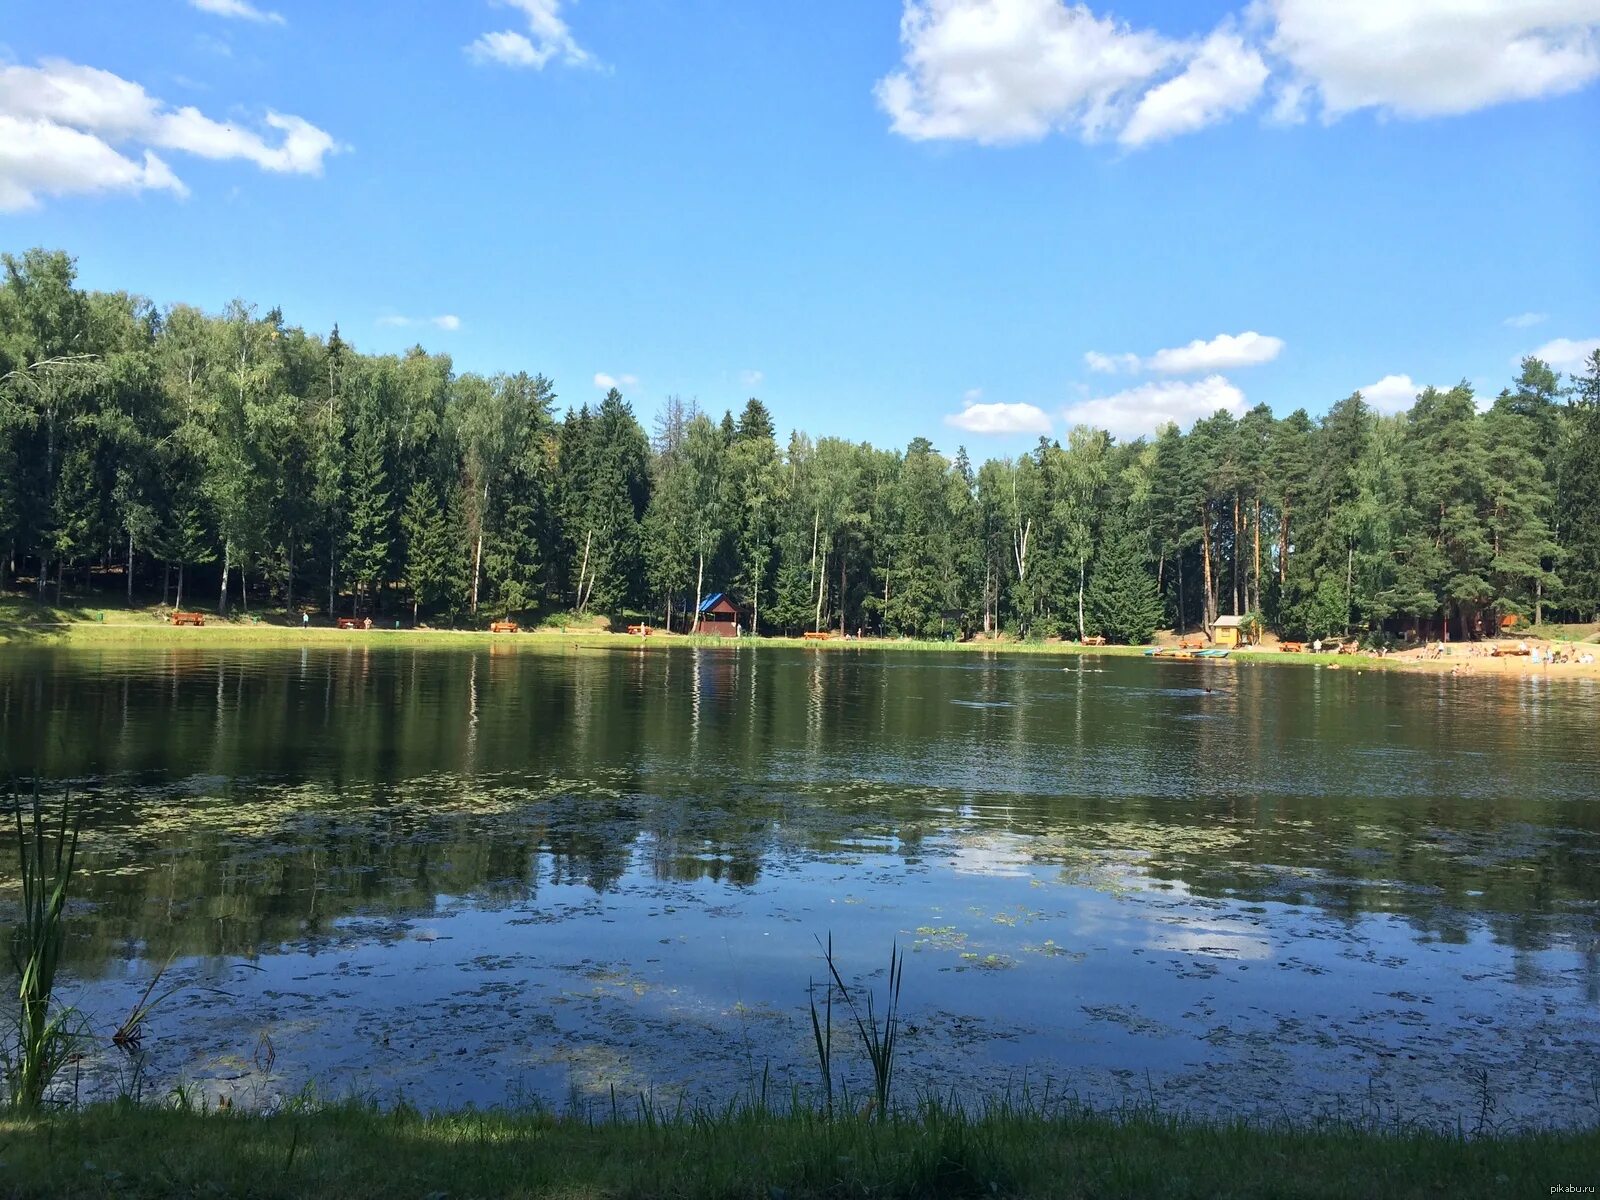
(356,1151)
(25,621)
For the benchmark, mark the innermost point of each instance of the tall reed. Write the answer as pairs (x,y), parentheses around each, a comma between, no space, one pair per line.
(46,1033)
(879,1038)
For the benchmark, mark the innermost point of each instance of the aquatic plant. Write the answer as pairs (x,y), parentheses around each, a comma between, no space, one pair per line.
(879,1038)
(46,1033)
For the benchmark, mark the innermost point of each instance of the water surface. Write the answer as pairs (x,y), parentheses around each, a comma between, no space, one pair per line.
(519,873)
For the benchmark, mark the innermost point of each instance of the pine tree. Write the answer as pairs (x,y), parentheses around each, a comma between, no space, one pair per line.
(1121,602)
(432,568)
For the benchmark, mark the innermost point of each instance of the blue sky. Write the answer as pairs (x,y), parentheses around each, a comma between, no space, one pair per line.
(967,219)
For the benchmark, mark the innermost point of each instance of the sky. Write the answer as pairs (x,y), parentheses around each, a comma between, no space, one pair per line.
(977,221)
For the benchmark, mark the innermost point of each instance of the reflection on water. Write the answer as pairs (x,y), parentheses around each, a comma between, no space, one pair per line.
(460,876)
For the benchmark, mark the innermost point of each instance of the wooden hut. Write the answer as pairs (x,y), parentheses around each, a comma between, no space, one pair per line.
(1227,631)
(719,616)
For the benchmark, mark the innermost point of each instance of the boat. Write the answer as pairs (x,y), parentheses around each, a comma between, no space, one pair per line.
(1211,653)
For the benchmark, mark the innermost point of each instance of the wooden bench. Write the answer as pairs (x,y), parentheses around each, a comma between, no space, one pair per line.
(640,630)
(1349,647)
(355,622)
(821,635)
(1097,640)
(190,618)
(503,627)
(1292,647)
(1191,644)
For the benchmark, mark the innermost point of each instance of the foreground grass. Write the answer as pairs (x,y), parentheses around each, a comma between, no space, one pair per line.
(355,1152)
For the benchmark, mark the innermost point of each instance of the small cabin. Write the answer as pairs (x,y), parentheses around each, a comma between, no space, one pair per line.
(719,616)
(1227,631)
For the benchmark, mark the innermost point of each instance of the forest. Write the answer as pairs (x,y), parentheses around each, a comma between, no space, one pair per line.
(237,461)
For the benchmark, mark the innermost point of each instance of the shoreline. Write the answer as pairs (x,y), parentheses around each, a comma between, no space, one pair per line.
(139,628)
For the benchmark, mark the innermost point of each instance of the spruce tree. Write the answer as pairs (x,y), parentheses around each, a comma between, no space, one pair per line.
(369,533)
(1121,602)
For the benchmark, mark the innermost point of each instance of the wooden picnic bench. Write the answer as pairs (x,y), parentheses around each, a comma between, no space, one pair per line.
(640,630)
(355,622)
(820,635)
(1097,640)
(503,627)
(1191,644)
(1292,647)
(1349,647)
(188,618)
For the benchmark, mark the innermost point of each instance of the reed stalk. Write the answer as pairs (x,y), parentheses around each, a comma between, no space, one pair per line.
(46,1033)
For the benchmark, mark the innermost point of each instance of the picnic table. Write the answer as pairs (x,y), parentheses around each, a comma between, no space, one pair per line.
(503,627)
(355,622)
(640,630)
(820,635)
(1292,647)
(1191,644)
(188,618)
(1097,640)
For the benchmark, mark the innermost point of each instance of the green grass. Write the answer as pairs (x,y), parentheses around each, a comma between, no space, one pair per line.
(354,1152)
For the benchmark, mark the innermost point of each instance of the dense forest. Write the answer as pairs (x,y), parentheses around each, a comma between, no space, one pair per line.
(238,458)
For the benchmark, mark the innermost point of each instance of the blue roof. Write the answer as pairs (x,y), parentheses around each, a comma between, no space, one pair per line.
(707,604)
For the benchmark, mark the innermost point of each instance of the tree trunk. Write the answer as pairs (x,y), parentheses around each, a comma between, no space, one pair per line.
(841,593)
(227,565)
(166,582)
(477,564)
(1080,595)
(1283,545)
(177,601)
(1182,625)
(332,557)
(822,586)
(699,583)
(583,569)
(1256,607)
(1209,601)
(130,568)
(1235,552)
(1538,600)
(288,592)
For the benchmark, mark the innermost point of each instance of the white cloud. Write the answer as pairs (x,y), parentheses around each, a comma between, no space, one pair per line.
(1000,419)
(971,395)
(238,9)
(751,378)
(1222,352)
(1224,77)
(1565,354)
(1525,320)
(1143,410)
(548,38)
(607,382)
(448,322)
(66,122)
(1422,58)
(995,71)
(1391,394)
(1111,364)
(1016,70)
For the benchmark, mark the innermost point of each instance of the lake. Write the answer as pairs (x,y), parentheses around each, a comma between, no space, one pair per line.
(541,873)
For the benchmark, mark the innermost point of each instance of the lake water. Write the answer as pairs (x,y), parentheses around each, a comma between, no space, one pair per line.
(528,872)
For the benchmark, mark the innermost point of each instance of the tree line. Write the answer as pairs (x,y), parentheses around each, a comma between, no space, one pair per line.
(241,458)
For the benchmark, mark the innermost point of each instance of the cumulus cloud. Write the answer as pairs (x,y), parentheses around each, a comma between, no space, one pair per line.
(999,418)
(1565,354)
(1525,320)
(65,127)
(548,38)
(607,382)
(448,322)
(1223,78)
(1143,410)
(1221,353)
(995,71)
(1016,70)
(1391,394)
(1111,364)
(240,10)
(1421,58)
